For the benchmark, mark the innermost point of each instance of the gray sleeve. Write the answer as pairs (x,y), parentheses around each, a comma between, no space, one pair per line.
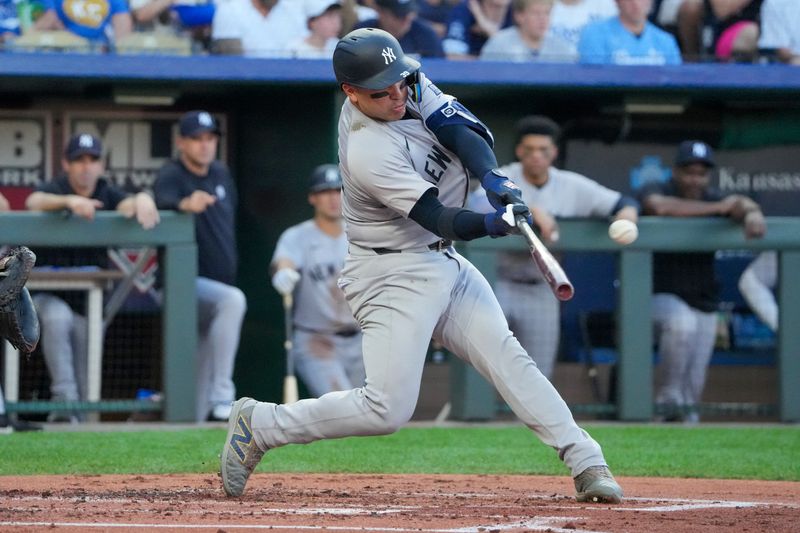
(596,200)
(388,177)
(290,246)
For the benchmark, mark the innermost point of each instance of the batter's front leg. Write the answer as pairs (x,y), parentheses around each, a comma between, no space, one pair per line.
(476,330)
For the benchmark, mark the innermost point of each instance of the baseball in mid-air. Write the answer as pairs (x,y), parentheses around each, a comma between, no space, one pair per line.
(623,231)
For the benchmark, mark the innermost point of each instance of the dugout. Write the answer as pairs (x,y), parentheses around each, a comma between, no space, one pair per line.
(620,124)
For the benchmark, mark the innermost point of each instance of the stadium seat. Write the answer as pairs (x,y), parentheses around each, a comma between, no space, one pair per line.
(57,40)
(150,43)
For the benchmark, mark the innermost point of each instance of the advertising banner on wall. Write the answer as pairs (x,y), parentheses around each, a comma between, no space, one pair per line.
(770,175)
(135,144)
(25,153)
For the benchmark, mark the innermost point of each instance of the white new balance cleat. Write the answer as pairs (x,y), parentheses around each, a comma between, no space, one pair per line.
(597,485)
(240,454)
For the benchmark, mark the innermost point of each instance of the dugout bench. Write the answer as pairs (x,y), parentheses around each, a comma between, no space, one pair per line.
(473,398)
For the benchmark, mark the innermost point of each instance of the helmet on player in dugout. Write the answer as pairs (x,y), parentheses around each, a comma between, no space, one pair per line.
(325,178)
(372,59)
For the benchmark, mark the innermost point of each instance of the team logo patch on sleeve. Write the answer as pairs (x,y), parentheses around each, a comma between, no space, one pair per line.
(449,111)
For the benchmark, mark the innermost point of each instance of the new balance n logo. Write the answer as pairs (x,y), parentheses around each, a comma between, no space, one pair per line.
(243,439)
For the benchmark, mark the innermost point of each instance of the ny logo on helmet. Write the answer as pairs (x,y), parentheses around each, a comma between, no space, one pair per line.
(388,55)
(86,141)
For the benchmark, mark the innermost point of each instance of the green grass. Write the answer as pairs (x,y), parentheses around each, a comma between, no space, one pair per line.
(769,453)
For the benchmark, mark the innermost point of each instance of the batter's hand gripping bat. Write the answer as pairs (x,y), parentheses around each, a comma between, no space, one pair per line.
(290,380)
(546,263)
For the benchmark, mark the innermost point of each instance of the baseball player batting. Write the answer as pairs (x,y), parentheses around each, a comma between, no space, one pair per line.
(326,340)
(404,151)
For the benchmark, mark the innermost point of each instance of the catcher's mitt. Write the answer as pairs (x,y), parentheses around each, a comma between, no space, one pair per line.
(18,321)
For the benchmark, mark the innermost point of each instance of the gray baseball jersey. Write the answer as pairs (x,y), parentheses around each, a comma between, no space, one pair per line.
(318,303)
(386,166)
(326,342)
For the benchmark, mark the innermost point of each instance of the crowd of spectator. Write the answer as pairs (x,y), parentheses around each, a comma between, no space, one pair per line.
(569,31)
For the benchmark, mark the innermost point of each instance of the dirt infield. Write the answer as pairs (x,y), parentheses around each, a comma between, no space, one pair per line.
(394,503)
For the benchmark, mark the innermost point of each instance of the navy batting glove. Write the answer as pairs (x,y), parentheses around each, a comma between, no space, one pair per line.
(504,220)
(500,191)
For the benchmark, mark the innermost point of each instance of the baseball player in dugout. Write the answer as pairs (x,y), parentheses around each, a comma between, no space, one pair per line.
(326,340)
(532,311)
(81,191)
(404,146)
(685,295)
(196,182)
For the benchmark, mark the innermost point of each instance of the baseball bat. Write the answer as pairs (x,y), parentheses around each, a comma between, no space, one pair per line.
(290,380)
(547,264)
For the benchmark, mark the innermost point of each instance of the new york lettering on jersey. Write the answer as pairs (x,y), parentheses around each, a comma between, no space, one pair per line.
(323,271)
(438,158)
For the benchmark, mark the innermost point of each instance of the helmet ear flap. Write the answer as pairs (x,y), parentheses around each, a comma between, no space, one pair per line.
(414,88)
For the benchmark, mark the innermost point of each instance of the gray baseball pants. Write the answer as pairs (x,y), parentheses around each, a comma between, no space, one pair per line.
(685,343)
(65,347)
(220,312)
(327,362)
(402,301)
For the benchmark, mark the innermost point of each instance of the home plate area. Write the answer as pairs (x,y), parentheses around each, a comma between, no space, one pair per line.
(392,503)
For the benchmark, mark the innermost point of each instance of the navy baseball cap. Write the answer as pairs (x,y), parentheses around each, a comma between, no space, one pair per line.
(694,152)
(325,178)
(83,144)
(400,8)
(197,122)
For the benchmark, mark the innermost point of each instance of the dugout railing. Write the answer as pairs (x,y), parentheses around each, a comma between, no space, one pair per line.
(174,235)
(473,398)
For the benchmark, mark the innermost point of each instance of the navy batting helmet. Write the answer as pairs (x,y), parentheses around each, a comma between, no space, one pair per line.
(371,59)
(325,178)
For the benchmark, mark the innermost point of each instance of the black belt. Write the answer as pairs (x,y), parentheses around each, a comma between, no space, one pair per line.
(437,246)
(342,333)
